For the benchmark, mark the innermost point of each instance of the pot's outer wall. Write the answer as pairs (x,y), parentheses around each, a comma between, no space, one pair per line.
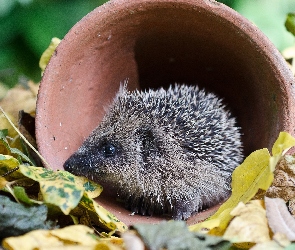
(154,43)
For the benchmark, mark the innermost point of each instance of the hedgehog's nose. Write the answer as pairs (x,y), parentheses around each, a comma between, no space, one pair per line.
(69,164)
(75,162)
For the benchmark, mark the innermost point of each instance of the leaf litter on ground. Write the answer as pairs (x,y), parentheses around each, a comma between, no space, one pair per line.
(256,174)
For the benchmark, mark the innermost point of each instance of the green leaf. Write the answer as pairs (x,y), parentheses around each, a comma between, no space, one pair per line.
(17,219)
(3,133)
(7,163)
(174,235)
(56,188)
(290,23)
(3,140)
(15,151)
(21,195)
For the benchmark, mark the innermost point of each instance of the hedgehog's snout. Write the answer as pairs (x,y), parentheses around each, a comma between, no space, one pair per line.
(76,162)
(92,158)
(71,163)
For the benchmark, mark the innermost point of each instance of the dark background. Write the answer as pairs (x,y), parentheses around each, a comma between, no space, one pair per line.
(27,26)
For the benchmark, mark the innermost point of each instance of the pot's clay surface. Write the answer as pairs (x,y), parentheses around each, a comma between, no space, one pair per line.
(154,43)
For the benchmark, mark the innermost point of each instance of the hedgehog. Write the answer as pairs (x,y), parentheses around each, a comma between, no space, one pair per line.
(166,152)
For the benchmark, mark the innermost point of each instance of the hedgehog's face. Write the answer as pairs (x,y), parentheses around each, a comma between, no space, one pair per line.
(115,157)
(100,159)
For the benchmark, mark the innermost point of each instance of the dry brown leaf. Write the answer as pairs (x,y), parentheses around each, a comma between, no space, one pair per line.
(283,185)
(20,98)
(279,218)
(291,207)
(16,99)
(249,224)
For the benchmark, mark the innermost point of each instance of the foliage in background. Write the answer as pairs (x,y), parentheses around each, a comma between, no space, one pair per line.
(27,26)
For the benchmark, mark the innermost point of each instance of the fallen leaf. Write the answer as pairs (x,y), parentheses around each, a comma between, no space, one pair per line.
(291,206)
(17,219)
(174,235)
(56,188)
(72,237)
(76,234)
(205,226)
(92,189)
(8,163)
(19,98)
(26,125)
(279,218)
(48,53)
(99,215)
(249,223)
(13,151)
(284,142)
(3,182)
(21,195)
(283,185)
(35,240)
(253,174)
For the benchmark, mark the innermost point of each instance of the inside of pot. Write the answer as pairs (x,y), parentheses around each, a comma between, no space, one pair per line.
(201,50)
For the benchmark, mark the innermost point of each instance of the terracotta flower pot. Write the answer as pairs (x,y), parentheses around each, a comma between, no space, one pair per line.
(154,43)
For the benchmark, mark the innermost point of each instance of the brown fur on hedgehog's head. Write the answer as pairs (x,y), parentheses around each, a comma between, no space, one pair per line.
(165,151)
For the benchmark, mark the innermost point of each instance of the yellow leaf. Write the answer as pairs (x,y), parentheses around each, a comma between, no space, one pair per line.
(281,146)
(75,234)
(3,182)
(109,219)
(57,188)
(34,240)
(249,223)
(92,189)
(252,174)
(72,237)
(205,225)
(100,215)
(7,163)
(48,53)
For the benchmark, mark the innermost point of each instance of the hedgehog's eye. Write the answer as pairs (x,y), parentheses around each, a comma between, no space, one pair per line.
(109,149)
